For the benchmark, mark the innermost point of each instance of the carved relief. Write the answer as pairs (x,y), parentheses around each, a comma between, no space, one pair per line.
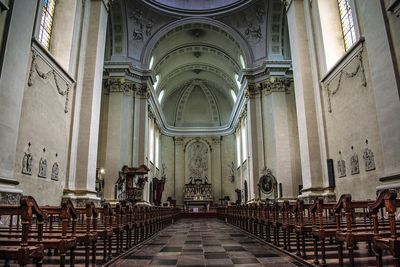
(142,25)
(51,73)
(355,167)
(43,166)
(252,21)
(27,161)
(369,158)
(198,163)
(341,166)
(55,170)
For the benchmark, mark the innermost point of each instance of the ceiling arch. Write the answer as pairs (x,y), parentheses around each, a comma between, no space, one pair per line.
(196,62)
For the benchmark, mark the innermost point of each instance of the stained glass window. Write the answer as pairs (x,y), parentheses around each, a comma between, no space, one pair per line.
(347,21)
(46,22)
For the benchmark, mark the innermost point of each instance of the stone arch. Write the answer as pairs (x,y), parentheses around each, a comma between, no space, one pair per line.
(214,24)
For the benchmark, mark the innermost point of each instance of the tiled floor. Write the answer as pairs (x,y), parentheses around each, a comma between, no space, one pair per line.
(205,242)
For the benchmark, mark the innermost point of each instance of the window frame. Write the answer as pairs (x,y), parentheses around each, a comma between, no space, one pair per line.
(38,24)
(356,28)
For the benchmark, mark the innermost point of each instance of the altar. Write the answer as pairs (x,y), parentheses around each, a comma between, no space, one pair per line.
(197,195)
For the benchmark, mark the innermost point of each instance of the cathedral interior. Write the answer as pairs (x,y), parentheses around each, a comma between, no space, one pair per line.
(200,133)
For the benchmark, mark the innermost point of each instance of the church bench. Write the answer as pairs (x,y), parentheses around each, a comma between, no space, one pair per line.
(60,231)
(355,227)
(288,222)
(19,247)
(323,226)
(303,226)
(384,216)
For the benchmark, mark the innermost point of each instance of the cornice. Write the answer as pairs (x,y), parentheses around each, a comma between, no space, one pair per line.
(250,78)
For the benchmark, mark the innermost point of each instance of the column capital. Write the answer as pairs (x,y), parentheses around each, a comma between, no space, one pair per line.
(275,84)
(142,91)
(252,90)
(119,85)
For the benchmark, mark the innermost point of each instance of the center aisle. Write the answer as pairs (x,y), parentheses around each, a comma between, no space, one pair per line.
(204,242)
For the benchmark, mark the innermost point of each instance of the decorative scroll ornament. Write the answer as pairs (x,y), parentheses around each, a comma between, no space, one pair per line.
(369,158)
(51,73)
(27,161)
(43,165)
(341,165)
(355,167)
(359,69)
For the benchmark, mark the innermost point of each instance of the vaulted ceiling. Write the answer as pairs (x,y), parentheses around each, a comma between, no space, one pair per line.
(196,67)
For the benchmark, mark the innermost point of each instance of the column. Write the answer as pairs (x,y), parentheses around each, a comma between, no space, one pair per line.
(216,178)
(385,83)
(140,125)
(280,154)
(179,170)
(118,151)
(314,173)
(12,84)
(82,177)
(254,148)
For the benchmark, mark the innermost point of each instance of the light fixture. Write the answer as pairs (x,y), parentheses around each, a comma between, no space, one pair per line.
(102,171)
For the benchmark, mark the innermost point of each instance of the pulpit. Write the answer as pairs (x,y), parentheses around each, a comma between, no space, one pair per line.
(130,183)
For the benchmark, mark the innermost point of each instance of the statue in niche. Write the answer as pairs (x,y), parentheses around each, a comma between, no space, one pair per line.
(369,159)
(341,165)
(355,167)
(54,171)
(27,161)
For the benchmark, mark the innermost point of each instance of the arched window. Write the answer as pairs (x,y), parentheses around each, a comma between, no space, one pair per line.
(151,62)
(348,22)
(242,63)
(156,82)
(46,22)
(233,95)
(160,96)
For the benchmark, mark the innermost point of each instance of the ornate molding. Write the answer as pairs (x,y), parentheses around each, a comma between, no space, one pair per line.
(119,85)
(344,73)
(46,75)
(275,84)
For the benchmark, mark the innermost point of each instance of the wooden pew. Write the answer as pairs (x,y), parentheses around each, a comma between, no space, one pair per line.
(323,226)
(386,231)
(17,241)
(61,237)
(303,227)
(355,227)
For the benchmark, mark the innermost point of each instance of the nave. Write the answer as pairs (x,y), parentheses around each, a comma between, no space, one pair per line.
(205,242)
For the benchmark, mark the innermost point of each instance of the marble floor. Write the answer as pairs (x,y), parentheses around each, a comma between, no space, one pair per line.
(204,242)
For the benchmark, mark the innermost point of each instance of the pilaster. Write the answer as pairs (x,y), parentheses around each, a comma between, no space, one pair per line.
(311,139)
(12,84)
(81,186)
(179,181)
